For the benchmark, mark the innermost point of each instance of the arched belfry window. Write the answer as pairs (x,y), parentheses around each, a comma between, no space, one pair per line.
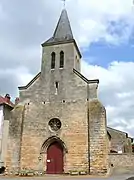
(53,55)
(61,59)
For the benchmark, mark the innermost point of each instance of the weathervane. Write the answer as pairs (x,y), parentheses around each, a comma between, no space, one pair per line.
(64,3)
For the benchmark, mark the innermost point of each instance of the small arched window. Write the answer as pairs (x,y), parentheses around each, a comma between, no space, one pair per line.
(61,59)
(53,60)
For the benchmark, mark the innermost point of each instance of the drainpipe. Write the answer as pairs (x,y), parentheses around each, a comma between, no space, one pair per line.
(88,126)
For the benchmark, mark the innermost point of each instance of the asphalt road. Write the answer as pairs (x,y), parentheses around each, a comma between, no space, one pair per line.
(123,177)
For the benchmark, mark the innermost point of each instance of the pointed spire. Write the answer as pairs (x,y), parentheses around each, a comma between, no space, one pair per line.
(63,30)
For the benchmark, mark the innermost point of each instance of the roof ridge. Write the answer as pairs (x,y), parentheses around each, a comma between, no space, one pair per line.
(117,130)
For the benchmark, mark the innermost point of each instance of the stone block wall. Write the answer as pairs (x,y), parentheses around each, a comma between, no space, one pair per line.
(122,161)
(98,138)
(73,133)
(119,141)
(14,139)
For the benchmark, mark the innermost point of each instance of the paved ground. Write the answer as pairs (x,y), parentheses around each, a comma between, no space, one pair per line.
(123,177)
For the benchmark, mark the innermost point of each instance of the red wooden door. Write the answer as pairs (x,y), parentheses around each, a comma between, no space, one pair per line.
(55,159)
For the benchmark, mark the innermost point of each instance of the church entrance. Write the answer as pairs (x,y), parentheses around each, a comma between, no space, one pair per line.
(55,159)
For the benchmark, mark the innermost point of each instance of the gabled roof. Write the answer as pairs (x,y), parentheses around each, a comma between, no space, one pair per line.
(3,100)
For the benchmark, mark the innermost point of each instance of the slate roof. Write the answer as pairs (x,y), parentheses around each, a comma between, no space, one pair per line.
(4,101)
(63,33)
(63,30)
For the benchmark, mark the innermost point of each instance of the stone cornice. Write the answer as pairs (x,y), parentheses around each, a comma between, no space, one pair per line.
(85,79)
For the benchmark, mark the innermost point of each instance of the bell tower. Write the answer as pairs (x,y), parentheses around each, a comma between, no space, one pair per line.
(60,55)
(60,52)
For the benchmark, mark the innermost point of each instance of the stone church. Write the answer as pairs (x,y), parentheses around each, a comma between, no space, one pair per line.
(59,125)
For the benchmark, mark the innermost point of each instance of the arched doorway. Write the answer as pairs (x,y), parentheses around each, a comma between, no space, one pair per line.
(55,162)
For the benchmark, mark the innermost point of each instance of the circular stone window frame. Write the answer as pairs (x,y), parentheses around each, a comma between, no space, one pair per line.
(54,124)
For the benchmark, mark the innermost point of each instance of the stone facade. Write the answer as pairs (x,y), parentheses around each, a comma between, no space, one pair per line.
(62,93)
(98,138)
(122,160)
(119,141)
(121,163)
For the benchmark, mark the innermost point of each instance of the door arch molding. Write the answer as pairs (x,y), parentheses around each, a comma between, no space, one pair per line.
(51,140)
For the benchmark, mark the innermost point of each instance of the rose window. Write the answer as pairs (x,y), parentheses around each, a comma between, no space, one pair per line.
(55,124)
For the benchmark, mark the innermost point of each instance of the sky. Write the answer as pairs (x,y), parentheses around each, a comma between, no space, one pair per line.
(104,31)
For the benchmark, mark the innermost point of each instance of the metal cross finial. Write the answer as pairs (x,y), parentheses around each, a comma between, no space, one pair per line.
(64,1)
